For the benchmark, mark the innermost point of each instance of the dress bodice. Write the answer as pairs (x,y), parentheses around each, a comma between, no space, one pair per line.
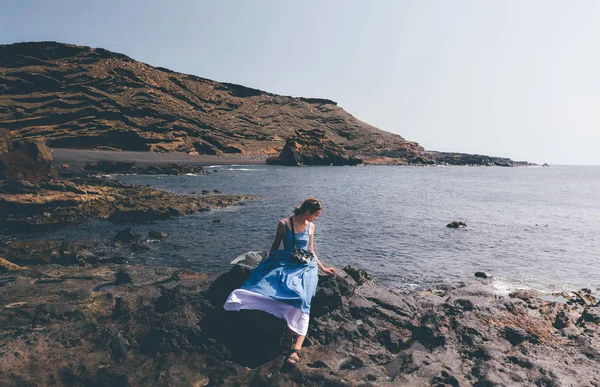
(302,238)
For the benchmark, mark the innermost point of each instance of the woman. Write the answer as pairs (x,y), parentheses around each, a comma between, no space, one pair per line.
(280,284)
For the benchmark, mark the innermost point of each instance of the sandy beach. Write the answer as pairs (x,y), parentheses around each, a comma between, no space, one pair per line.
(80,157)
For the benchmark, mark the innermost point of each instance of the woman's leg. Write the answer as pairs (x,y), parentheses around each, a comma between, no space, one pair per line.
(299,341)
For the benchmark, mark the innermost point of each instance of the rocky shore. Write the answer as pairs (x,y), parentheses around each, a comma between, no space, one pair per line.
(123,325)
(26,205)
(33,193)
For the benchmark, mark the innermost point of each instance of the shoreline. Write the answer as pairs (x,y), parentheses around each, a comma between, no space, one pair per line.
(81,157)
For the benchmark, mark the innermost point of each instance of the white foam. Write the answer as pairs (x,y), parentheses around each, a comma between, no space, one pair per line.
(244,169)
(503,287)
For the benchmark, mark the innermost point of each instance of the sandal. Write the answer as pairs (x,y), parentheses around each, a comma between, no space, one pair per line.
(293,360)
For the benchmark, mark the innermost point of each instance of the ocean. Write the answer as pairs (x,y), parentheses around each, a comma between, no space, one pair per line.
(527,227)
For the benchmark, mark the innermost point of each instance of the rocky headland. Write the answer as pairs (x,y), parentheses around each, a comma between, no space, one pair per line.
(33,193)
(90,98)
(112,324)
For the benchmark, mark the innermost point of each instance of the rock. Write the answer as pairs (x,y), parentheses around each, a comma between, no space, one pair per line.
(75,254)
(19,187)
(562,320)
(172,169)
(358,275)
(166,326)
(515,335)
(108,166)
(44,252)
(25,160)
(312,147)
(218,221)
(125,236)
(590,314)
(456,224)
(583,297)
(32,252)
(6,266)
(37,150)
(482,274)
(123,277)
(64,166)
(25,206)
(525,294)
(155,234)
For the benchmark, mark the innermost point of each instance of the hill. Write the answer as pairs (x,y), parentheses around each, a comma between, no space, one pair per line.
(91,98)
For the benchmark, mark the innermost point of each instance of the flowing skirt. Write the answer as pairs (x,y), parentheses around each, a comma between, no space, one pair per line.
(279,286)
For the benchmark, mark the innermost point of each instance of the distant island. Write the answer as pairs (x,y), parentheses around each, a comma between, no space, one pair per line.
(91,98)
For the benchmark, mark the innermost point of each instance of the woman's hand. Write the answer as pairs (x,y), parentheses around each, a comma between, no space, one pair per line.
(329,270)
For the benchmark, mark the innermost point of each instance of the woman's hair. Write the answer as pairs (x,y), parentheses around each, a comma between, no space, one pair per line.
(310,204)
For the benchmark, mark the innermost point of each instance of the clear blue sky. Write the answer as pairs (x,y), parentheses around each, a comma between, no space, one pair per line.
(518,79)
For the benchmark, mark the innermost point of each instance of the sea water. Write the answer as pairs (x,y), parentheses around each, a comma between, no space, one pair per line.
(527,227)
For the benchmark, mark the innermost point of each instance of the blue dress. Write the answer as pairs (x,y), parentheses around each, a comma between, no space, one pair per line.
(282,278)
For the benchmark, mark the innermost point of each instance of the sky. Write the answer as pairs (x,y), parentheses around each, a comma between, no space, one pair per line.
(518,79)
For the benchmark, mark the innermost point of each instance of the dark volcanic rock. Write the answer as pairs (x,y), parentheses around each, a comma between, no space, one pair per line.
(111,167)
(456,224)
(138,325)
(45,252)
(24,160)
(312,148)
(117,167)
(358,275)
(125,236)
(72,201)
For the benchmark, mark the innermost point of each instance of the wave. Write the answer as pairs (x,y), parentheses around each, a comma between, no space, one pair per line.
(245,169)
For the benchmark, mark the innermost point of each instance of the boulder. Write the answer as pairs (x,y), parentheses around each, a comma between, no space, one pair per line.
(125,236)
(358,275)
(456,224)
(37,150)
(312,147)
(25,160)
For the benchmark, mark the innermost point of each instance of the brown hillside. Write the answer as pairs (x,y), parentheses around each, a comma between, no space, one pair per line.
(82,97)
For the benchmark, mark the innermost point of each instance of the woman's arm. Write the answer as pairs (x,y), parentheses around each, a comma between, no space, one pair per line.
(278,235)
(327,270)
